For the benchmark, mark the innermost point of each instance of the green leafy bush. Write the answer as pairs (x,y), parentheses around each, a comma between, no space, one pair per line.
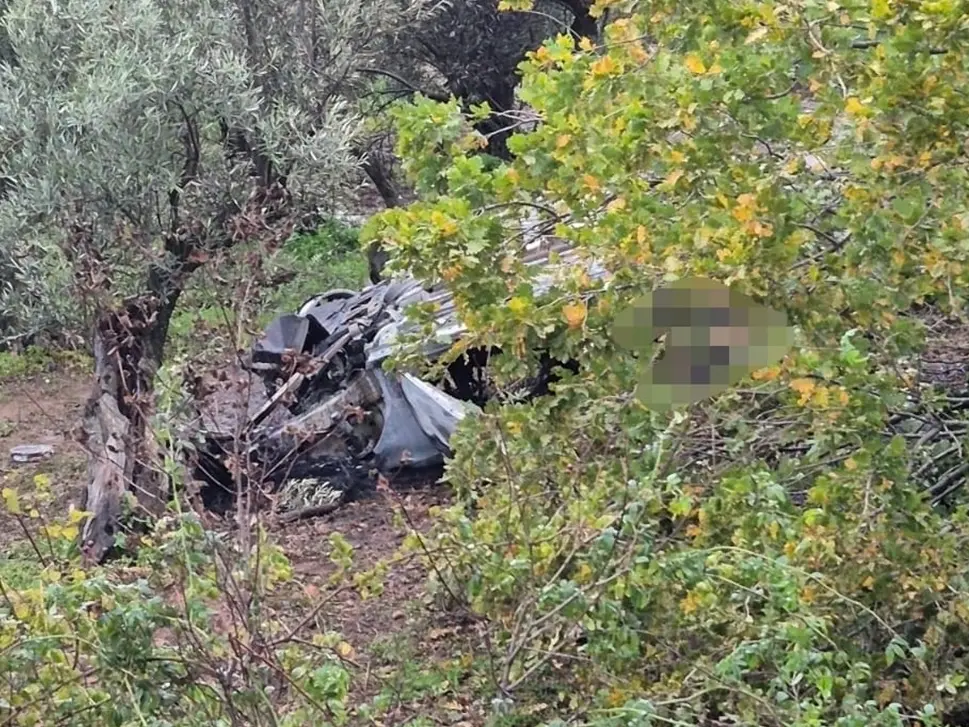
(333,239)
(220,312)
(182,634)
(773,556)
(328,258)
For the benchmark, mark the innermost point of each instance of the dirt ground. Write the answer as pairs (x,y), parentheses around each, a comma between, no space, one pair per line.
(42,410)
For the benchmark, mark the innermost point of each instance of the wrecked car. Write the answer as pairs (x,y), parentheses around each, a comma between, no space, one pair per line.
(332,417)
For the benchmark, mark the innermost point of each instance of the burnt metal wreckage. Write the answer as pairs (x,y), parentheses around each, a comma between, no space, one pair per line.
(333,419)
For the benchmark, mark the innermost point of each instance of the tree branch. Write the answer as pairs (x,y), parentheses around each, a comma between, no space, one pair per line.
(441,98)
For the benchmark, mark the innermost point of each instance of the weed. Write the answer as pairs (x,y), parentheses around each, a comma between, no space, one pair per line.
(332,239)
(35,360)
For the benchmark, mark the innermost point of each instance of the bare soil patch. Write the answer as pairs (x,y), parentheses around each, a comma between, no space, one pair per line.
(42,409)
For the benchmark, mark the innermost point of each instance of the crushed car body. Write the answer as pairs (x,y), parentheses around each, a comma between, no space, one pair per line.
(332,418)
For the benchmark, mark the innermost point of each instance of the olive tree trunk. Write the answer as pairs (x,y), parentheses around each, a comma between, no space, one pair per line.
(122,454)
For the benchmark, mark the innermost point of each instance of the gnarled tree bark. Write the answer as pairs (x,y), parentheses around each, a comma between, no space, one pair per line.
(121,451)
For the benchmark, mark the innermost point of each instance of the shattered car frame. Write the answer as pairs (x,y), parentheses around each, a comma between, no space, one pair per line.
(333,416)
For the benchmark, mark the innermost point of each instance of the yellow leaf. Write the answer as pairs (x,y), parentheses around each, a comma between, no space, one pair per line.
(591,182)
(689,604)
(746,207)
(583,574)
(518,305)
(617,205)
(715,69)
(638,53)
(574,314)
(563,140)
(604,66)
(843,397)
(757,34)
(74,516)
(881,9)
(451,272)
(747,200)
(868,583)
(804,387)
(762,230)
(850,464)
(808,593)
(742,214)
(694,64)
(820,398)
(11,500)
(641,234)
(673,177)
(766,374)
(585,43)
(344,649)
(854,107)
(445,225)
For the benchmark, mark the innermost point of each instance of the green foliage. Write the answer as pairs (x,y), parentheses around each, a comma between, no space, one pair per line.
(769,556)
(133,170)
(181,635)
(328,258)
(36,360)
(332,240)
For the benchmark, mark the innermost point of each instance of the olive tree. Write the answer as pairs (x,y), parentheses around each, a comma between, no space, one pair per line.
(139,138)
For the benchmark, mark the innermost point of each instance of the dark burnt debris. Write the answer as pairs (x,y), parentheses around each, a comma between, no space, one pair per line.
(333,421)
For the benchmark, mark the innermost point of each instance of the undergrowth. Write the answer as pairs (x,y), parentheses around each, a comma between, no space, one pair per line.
(35,360)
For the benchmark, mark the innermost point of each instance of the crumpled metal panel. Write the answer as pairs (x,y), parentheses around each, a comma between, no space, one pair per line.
(437,412)
(418,423)
(285,332)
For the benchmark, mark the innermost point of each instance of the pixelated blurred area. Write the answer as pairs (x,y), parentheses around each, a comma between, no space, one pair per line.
(700,337)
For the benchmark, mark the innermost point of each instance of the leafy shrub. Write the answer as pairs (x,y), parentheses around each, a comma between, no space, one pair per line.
(770,556)
(333,239)
(182,634)
(328,258)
